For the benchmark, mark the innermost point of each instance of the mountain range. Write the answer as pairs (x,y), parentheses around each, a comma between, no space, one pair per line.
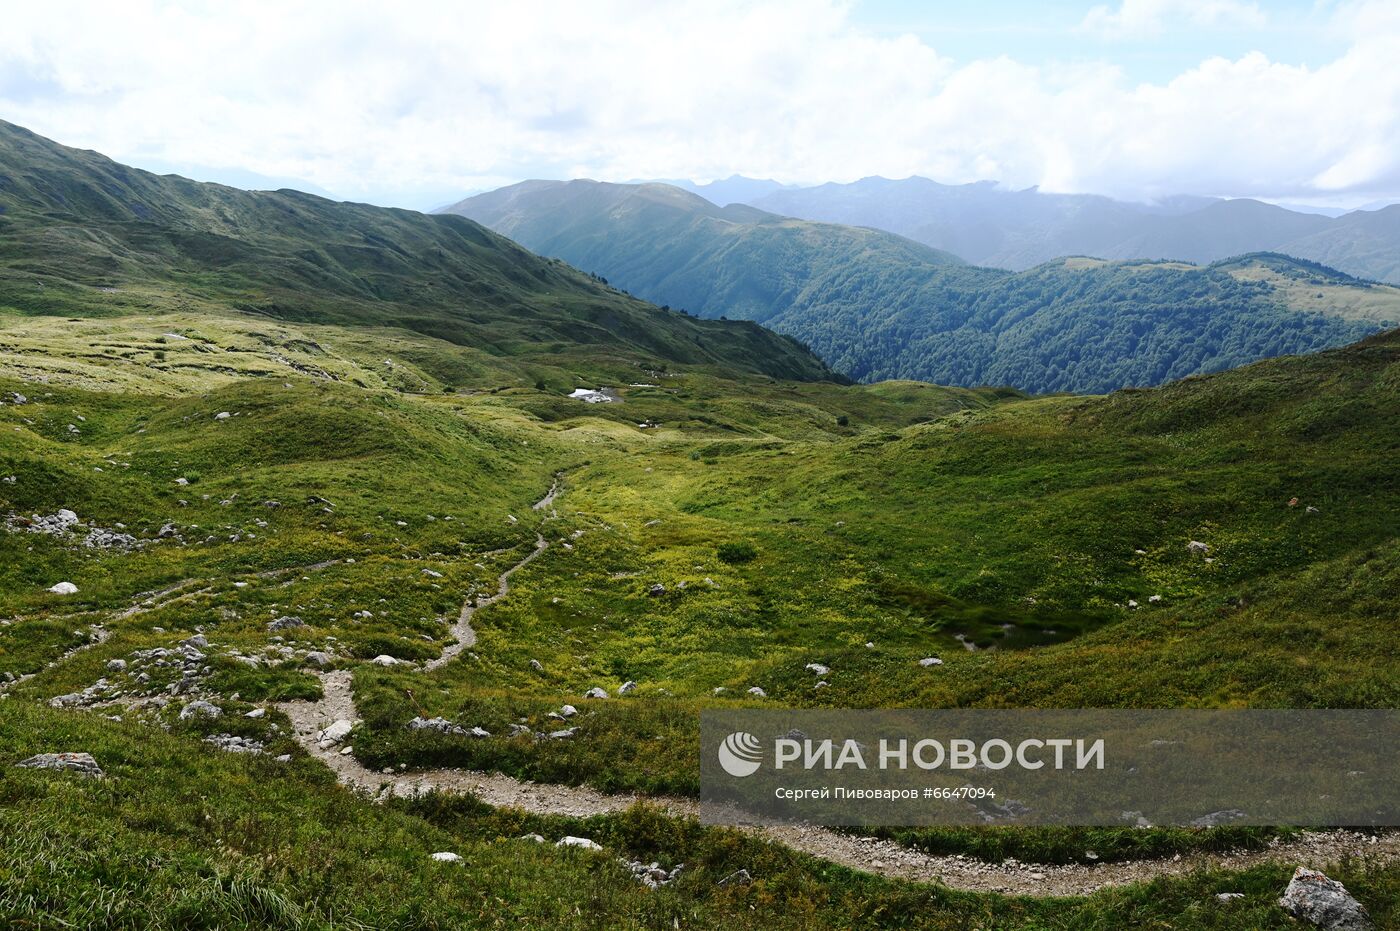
(876,305)
(990,225)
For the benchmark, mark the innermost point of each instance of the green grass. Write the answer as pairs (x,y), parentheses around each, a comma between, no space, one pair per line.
(824,517)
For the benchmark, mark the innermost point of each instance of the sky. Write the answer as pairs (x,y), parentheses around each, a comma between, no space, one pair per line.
(416,104)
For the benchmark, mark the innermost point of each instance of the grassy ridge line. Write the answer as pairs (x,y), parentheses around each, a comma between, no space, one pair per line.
(83,235)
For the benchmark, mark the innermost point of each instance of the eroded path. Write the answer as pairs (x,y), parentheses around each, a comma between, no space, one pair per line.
(873,855)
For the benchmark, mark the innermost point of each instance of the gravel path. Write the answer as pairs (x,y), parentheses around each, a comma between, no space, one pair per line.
(873,855)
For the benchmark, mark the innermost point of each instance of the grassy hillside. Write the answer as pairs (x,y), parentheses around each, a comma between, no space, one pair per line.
(677,248)
(880,307)
(1005,534)
(81,235)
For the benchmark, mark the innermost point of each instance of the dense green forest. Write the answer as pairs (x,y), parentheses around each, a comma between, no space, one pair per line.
(876,306)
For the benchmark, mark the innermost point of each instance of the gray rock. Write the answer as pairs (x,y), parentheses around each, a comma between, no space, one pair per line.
(1323,902)
(447,856)
(656,590)
(930,661)
(317,658)
(384,659)
(64,588)
(81,763)
(595,692)
(737,878)
(256,713)
(1228,896)
(567,711)
(536,665)
(198,642)
(564,734)
(818,669)
(285,622)
(200,708)
(758,692)
(116,665)
(626,687)
(1197,548)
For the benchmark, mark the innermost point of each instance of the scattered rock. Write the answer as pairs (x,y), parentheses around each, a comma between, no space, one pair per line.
(563,734)
(447,856)
(626,687)
(81,763)
(222,415)
(567,711)
(441,725)
(536,665)
(930,661)
(384,659)
(758,692)
(230,743)
(818,669)
(1324,902)
(537,838)
(1197,548)
(318,658)
(656,590)
(595,692)
(1228,896)
(116,665)
(652,875)
(64,588)
(256,713)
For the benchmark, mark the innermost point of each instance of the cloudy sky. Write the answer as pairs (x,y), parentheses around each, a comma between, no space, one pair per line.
(417,103)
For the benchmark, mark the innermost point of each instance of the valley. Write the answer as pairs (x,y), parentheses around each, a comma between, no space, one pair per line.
(385,580)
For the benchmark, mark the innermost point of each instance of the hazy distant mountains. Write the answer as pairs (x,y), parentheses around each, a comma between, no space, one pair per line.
(876,305)
(987,225)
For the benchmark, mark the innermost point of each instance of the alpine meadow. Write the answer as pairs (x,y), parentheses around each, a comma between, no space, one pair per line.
(367,567)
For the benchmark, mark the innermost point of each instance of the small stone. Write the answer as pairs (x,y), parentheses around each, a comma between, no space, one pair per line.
(335,733)
(758,692)
(318,658)
(447,856)
(818,669)
(930,661)
(256,713)
(1197,548)
(537,838)
(116,665)
(1228,896)
(384,659)
(536,665)
(626,687)
(656,590)
(64,588)
(567,711)
(595,692)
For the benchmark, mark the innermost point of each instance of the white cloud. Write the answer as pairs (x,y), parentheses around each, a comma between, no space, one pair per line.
(451,97)
(1136,18)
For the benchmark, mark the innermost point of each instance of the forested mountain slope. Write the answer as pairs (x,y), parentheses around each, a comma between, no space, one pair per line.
(877,306)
